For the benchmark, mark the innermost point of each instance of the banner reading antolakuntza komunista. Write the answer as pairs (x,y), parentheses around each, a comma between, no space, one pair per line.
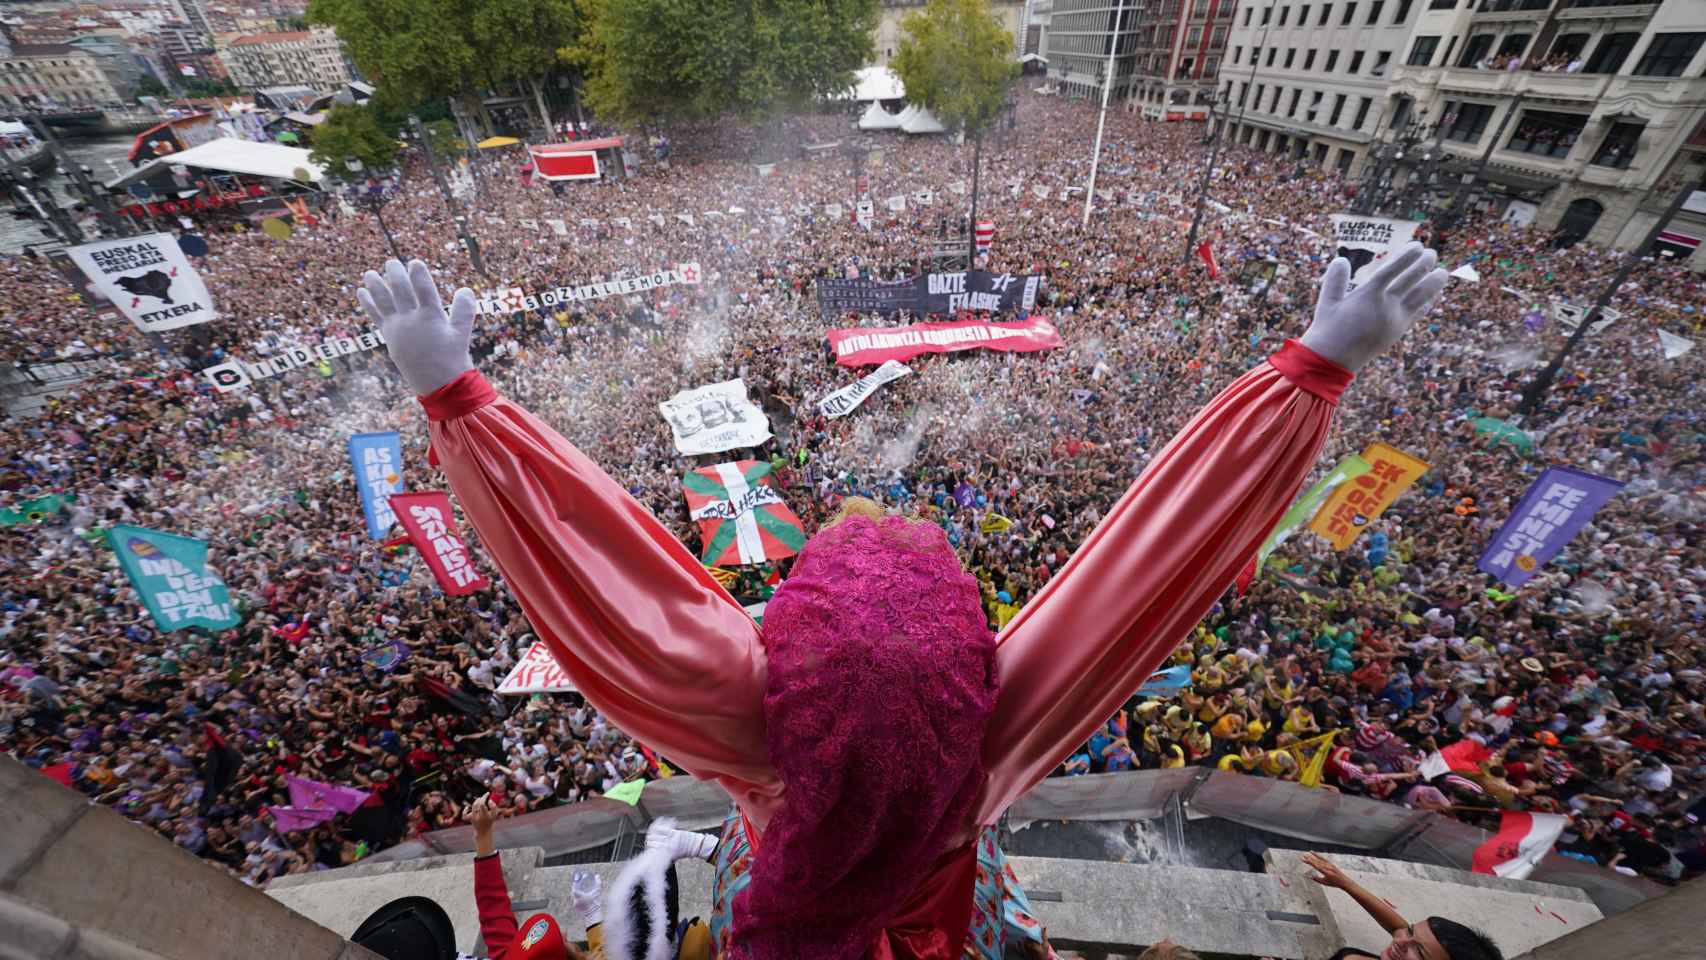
(516,300)
(236,374)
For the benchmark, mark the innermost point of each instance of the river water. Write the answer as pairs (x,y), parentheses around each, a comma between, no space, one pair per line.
(105,158)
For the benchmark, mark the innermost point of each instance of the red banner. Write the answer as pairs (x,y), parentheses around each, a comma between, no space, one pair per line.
(428,520)
(860,346)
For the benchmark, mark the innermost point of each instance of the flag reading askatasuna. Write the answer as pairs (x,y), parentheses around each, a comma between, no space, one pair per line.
(377,459)
(741,516)
(432,529)
(171,574)
(1550,514)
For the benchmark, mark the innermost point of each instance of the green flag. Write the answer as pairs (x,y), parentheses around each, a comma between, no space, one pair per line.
(628,793)
(1304,509)
(33,511)
(170,572)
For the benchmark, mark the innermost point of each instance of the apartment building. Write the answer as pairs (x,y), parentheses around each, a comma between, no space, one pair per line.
(1079,37)
(310,58)
(1181,45)
(1011,13)
(1589,112)
(52,76)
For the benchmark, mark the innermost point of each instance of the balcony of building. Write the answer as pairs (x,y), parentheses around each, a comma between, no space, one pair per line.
(1607,9)
(1511,11)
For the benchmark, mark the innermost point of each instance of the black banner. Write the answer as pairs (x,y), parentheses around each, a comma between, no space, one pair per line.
(931,293)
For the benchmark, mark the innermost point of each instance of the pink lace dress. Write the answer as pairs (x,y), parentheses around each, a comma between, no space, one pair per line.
(874,727)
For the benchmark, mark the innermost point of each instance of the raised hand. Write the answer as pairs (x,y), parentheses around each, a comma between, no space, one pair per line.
(428,348)
(1353,328)
(584,894)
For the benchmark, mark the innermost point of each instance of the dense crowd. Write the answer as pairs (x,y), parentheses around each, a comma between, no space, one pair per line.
(1585,686)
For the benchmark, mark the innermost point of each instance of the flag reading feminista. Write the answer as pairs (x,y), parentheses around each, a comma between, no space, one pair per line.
(1549,515)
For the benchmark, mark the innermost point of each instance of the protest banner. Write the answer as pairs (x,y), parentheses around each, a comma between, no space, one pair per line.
(942,293)
(537,672)
(1309,505)
(171,574)
(1673,345)
(291,819)
(35,510)
(1569,316)
(1522,842)
(377,461)
(1363,498)
(235,374)
(864,212)
(314,795)
(741,516)
(387,656)
(517,300)
(1165,683)
(1558,505)
(1365,240)
(149,279)
(861,346)
(430,524)
(714,418)
(847,399)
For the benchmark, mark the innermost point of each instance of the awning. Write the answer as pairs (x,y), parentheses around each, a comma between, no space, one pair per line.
(1519,182)
(565,161)
(916,119)
(491,143)
(876,118)
(877,83)
(231,155)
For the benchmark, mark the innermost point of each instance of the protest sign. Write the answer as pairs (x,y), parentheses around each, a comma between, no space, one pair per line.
(944,293)
(741,517)
(377,460)
(516,300)
(714,418)
(847,399)
(236,374)
(149,279)
(430,524)
(171,574)
(536,672)
(1674,346)
(859,346)
(387,656)
(1359,501)
(314,795)
(1550,514)
(1309,504)
(1365,240)
(1570,315)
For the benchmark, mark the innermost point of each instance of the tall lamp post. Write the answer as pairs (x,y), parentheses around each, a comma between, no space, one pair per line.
(1225,101)
(461,221)
(1102,117)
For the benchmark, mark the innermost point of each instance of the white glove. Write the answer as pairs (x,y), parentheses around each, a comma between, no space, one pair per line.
(584,894)
(1352,329)
(428,348)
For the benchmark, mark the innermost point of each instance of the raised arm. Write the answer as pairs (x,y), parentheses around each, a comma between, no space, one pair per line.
(632,617)
(1170,547)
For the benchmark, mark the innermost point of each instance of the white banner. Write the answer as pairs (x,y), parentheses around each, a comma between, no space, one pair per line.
(515,300)
(1569,317)
(864,211)
(558,227)
(714,418)
(847,399)
(833,211)
(923,198)
(537,672)
(1366,240)
(897,203)
(149,279)
(235,374)
(1674,346)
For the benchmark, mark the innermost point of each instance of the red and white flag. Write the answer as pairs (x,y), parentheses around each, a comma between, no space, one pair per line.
(427,519)
(537,672)
(1523,839)
(984,234)
(1206,254)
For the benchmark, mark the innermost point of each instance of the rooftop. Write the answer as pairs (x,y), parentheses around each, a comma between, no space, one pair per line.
(285,36)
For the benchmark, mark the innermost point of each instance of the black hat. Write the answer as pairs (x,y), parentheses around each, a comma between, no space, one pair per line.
(409,928)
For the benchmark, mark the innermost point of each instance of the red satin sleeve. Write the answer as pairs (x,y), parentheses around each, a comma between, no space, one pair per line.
(633,618)
(1153,567)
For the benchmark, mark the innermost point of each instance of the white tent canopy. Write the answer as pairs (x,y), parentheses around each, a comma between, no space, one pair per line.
(231,155)
(876,118)
(877,83)
(916,119)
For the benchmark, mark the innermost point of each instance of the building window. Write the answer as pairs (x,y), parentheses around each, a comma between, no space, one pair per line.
(1296,95)
(1514,45)
(1244,94)
(1259,89)
(1193,37)
(1442,4)
(1218,39)
(1338,108)
(1248,13)
(1613,49)
(1567,48)
(1267,15)
(1362,112)
(1403,12)
(1271,52)
(1255,56)
(1374,12)
(1356,62)
(1669,54)
(1237,54)
(1201,9)
(1309,60)
(1464,122)
(1547,134)
(1332,60)
(1476,50)
(1381,59)
(1422,54)
(1290,58)
(1273,104)
(1326,11)
(1303,15)
(1350,12)
(1618,147)
(1284,12)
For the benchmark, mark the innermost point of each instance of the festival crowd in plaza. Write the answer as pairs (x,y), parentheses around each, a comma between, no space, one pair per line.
(1586,685)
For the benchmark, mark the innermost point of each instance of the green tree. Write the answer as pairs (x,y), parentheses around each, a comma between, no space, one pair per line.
(956,60)
(661,59)
(352,132)
(150,86)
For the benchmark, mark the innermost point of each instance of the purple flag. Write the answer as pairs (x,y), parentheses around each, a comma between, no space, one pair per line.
(314,795)
(1550,514)
(296,818)
(964,495)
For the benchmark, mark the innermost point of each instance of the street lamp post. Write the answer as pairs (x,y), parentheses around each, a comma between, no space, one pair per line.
(468,240)
(1454,213)
(1208,170)
(1102,118)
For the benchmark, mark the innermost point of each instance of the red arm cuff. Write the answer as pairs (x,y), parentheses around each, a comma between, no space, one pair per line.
(1307,370)
(464,395)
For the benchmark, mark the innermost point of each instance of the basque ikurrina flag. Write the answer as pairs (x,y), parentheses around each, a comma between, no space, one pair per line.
(742,518)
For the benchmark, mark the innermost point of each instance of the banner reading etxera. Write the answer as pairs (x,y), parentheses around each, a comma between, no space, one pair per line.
(149,279)
(858,346)
(943,293)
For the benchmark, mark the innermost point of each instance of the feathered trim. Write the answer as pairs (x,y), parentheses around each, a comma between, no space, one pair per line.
(637,924)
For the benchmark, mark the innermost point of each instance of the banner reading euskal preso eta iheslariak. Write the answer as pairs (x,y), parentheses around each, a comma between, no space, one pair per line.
(149,279)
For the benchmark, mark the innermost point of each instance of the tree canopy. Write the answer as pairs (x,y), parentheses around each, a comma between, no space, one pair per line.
(352,132)
(956,60)
(667,59)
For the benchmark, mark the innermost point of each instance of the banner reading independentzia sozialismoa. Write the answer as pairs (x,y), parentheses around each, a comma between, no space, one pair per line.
(149,279)
(516,300)
(171,574)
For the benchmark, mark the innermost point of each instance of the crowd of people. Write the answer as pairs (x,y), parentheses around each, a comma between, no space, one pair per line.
(1585,686)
